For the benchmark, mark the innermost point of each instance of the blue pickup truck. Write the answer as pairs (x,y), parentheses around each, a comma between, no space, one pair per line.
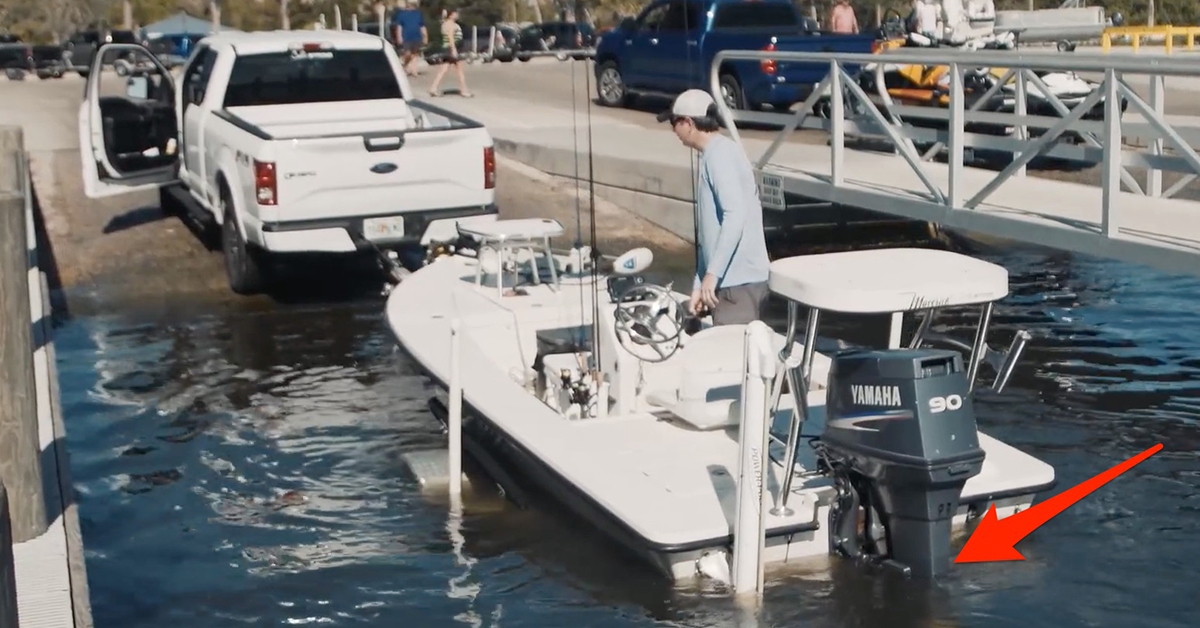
(669,48)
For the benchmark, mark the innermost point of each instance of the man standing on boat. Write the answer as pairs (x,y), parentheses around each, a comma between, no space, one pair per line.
(732,262)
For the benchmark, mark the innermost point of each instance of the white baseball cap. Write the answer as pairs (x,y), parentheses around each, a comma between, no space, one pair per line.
(693,103)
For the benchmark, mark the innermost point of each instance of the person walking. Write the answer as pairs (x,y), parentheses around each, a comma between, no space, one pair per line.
(842,19)
(409,32)
(732,265)
(451,41)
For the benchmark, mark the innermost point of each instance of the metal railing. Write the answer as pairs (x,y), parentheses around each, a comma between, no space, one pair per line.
(1167,34)
(852,112)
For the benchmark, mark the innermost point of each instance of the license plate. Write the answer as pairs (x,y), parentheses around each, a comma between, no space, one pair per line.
(385,228)
(770,191)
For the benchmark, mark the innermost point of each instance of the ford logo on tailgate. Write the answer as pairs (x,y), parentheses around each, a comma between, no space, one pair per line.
(384,168)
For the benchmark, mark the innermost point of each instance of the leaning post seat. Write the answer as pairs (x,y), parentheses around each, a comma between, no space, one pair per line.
(705,391)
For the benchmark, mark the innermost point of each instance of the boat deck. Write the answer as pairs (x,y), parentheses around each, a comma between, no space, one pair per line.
(672,484)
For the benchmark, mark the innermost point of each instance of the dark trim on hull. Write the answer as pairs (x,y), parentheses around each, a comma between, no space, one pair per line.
(986,498)
(492,467)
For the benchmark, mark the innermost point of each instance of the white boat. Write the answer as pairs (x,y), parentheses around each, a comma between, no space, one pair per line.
(638,432)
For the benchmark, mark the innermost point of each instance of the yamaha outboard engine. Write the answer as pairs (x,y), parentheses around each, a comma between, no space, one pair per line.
(900,442)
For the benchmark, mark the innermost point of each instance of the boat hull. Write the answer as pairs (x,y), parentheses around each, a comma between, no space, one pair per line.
(678,564)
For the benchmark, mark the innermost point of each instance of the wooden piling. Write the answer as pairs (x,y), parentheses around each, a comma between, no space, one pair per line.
(20,450)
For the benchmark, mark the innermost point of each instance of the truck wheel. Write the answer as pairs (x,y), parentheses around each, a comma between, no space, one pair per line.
(243,264)
(731,92)
(610,86)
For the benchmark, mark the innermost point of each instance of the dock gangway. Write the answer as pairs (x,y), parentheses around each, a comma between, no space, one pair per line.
(921,171)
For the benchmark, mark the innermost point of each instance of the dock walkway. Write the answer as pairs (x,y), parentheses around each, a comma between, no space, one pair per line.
(1126,218)
(51,579)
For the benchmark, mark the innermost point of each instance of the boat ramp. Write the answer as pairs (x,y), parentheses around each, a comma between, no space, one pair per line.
(1134,216)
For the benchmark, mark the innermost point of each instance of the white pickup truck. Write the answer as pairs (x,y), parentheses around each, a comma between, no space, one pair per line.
(289,142)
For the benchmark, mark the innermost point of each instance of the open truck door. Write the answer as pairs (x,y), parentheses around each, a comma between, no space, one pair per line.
(128,127)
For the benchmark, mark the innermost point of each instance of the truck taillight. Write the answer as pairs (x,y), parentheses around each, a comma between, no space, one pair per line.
(489,168)
(768,66)
(264,182)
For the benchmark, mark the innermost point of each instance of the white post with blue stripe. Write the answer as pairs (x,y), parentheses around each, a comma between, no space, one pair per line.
(749,531)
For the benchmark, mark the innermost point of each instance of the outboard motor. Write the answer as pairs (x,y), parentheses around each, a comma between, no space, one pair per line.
(900,442)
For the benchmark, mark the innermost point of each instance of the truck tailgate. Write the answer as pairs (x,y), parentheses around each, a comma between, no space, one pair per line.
(369,162)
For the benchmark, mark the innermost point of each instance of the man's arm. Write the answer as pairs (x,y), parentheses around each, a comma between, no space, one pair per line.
(728,190)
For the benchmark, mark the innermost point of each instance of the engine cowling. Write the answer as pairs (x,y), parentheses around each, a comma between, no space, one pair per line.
(900,439)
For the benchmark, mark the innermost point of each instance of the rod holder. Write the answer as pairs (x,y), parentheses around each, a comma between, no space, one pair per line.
(1009,362)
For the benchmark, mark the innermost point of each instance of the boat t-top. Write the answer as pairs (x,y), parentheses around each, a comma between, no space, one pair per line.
(590,383)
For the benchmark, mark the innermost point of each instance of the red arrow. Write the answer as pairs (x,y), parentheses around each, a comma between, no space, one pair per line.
(994,538)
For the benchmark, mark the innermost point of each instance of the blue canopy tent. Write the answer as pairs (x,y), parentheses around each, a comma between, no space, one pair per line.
(181,24)
(181,30)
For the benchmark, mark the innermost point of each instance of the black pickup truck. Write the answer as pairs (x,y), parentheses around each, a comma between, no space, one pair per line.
(18,59)
(82,46)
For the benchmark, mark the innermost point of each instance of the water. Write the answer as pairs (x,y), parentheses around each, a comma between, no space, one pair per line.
(242,467)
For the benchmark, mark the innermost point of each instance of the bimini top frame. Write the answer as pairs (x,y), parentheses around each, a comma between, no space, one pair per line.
(884,281)
(499,239)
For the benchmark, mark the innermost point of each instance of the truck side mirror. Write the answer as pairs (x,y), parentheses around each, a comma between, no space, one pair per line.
(137,87)
(628,24)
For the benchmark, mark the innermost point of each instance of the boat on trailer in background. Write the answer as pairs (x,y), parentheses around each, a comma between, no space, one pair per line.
(596,386)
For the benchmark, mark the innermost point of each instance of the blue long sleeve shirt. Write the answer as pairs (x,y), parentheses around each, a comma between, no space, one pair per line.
(732,244)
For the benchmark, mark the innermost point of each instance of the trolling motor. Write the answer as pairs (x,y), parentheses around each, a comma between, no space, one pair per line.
(900,442)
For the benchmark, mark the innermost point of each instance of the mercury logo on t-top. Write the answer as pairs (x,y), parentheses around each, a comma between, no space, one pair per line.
(875,395)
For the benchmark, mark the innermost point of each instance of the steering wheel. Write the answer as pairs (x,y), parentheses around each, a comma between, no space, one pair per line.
(647,315)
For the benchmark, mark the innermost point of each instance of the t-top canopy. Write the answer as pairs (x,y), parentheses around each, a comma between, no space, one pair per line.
(887,280)
(512,229)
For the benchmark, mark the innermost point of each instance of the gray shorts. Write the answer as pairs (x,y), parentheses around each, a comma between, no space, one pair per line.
(740,305)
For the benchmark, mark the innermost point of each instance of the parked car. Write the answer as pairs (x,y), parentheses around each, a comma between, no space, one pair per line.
(505,52)
(49,61)
(506,44)
(288,142)
(669,48)
(81,47)
(567,37)
(16,58)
